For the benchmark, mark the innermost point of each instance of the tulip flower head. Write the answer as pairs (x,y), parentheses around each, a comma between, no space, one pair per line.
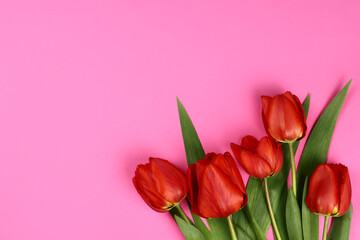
(260,159)
(283,117)
(160,184)
(329,191)
(216,188)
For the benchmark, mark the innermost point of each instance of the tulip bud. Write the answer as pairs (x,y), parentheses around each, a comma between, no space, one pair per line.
(216,188)
(160,184)
(329,191)
(260,159)
(283,117)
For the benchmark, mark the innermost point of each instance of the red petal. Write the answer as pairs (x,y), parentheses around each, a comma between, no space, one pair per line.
(200,168)
(221,162)
(170,182)
(265,100)
(227,164)
(279,157)
(269,151)
(236,175)
(343,179)
(253,164)
(219,196)
(147,190)
(249,143)
(295,100)
(284,122)
(147,200)
(208,157)
(193,188)
(323,193)
(198,173)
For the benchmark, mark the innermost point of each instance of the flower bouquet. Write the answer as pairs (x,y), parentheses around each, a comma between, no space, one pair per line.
(214,189)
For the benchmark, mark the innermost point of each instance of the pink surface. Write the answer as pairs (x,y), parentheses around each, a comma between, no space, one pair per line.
(87,92)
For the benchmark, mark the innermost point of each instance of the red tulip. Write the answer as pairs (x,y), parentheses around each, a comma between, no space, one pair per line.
(216,188)
(283,117)
(329,190)
(160,184)
(260,159)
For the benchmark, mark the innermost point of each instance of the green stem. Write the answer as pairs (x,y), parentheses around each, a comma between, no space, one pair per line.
(326,226)
(231,227)
(183,214)
(293,168)
(276,230)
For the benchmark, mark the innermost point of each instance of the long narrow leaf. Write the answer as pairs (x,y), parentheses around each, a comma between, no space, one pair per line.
(219,228)
(256,199)
(310,228)
(340,227)
(241,234)
(280,215)
(317,147)
(193,148)
(199,224)
(293,217)
(190,232)
(259,234)
(194,152)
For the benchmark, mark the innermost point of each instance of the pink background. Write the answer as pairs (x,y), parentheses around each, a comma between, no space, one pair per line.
(87,92)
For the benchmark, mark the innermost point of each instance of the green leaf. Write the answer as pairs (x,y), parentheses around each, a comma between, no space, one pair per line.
(256,199)
(190,232)
(293,218)
(199,224)
(219,228)
(317,146)
(193,148)
(310,228)
(340,227)
(256,195)
(194,152)
(241,234)
(260,235)
(280,215)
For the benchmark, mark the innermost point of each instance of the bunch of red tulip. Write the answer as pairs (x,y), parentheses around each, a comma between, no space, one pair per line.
(215,189)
